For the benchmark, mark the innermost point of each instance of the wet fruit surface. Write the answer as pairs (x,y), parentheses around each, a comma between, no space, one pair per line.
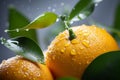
(19,68)
(70,58)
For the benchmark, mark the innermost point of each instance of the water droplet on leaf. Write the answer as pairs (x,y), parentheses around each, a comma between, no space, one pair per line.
(6,30)
(97,1)
(82,16)
(17,30)
(96,4)
(26,29)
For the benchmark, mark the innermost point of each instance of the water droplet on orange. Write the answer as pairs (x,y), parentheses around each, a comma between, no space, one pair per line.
(74,41)
(86,34)
(86,43)
(3,62)
(81,47)
(67,44)
(53,57)
(62,50)
(87,62)
(73,52)
(73,59)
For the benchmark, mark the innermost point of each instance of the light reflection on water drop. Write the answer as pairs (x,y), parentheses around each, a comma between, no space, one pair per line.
(6,30)
(17,30)
(82,16)
(78,18)
(26,29)
(57,20)
(2,42)
(96,4)
(97,1)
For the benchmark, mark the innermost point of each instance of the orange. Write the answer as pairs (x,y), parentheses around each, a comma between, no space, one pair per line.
(19,68)
(70,58)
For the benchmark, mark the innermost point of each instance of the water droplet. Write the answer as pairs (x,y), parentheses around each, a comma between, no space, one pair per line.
(73,52)
(81,47)
(82,16)
(74,59)
(71,22)
(17,30)
(57,19)
(86,34)
(38,74)
(67,44)
(26,29)
(74,20)
(86,43)
(53,57)
(96,4)
(80,32)
(62,4)
(74,41)
(62,50)
(3,62)
(97,1)
(6,30)
(87,62)
(2,42)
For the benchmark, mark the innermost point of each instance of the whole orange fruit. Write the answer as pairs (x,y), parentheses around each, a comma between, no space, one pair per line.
(70,58)
(19,68)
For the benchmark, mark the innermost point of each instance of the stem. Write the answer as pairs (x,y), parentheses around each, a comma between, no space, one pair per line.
(71,33)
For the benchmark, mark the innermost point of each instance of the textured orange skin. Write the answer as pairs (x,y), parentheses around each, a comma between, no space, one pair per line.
(19,68)
(70,58)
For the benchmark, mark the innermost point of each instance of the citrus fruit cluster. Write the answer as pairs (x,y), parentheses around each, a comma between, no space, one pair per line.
(63,57)
(70,58)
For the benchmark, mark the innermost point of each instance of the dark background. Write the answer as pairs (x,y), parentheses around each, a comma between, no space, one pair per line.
(103,13)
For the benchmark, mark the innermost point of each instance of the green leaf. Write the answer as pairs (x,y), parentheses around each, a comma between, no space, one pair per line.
(104,67)
(25,47)
(83,6)
(44,20)
(117,18)
(17,21)
(67,78)
(116,25)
